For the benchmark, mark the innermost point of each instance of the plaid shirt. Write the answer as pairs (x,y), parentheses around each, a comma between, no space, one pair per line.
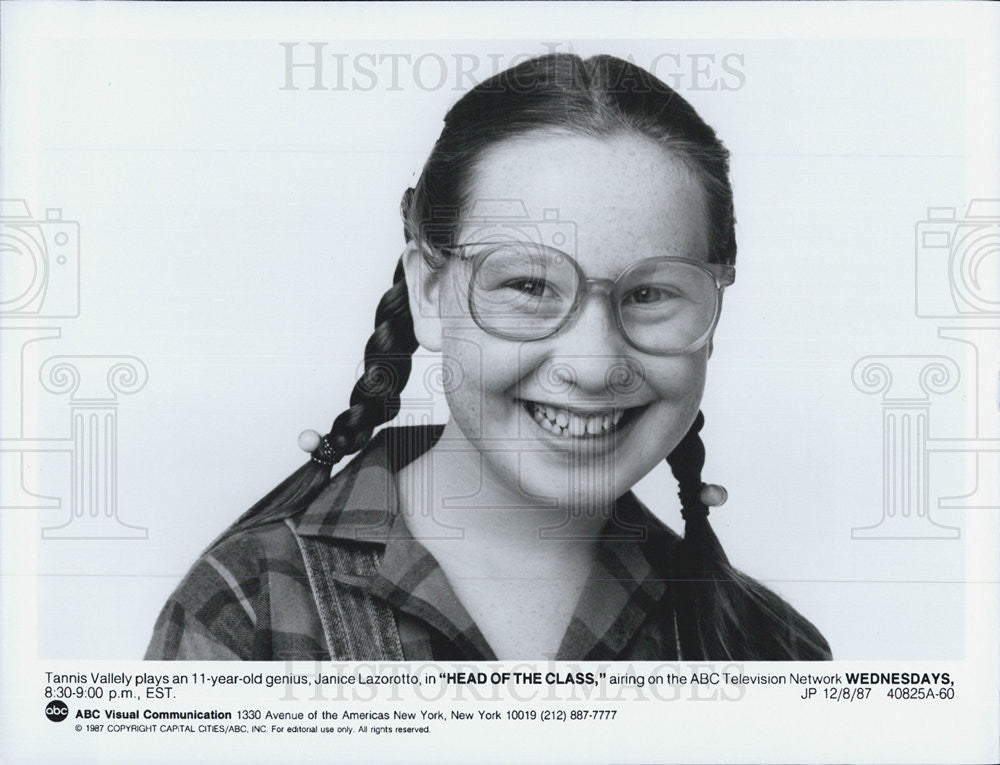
(251,596)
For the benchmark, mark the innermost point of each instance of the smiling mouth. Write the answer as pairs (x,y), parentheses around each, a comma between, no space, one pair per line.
(575,424)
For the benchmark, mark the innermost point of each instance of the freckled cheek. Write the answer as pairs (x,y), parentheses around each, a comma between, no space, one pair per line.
(483,366)
(462,344)
(679,381)
(484,374)
(677,384)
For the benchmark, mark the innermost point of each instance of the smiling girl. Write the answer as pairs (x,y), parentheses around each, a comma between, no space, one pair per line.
(567,247)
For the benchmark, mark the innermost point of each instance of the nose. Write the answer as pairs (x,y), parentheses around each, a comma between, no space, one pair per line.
(590,356)
(593,330)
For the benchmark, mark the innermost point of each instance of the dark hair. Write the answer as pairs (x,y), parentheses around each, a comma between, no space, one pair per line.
(601,96)
(722,614)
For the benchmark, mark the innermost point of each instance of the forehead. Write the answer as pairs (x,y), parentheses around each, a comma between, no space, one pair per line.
(608,201)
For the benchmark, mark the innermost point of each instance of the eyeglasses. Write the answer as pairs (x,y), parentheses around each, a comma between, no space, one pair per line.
(526,291)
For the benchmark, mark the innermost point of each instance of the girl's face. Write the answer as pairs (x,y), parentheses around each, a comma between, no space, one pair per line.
(608,202)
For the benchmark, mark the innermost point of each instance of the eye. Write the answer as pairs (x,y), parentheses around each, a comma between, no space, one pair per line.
(533,287)
(652,295)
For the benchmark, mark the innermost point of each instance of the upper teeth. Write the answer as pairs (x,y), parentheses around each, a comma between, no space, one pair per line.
(566,423)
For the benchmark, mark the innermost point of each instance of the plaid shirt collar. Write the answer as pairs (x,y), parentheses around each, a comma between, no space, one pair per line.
(361,504)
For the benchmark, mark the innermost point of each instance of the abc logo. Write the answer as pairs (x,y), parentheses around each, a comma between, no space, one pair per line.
(57,711)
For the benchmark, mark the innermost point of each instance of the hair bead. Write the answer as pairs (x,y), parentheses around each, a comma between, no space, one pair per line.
(713,495)
(321,448)
(309,440)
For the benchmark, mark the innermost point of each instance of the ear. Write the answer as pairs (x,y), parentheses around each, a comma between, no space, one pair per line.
(423,286)
(711,346)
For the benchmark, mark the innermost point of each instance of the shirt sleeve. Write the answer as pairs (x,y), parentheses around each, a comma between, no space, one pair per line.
(216,612)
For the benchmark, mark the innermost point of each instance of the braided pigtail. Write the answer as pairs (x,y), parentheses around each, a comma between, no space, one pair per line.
(388,360)
(374,400)
(721,612)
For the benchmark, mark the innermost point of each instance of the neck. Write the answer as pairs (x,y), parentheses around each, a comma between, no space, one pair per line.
(452,493)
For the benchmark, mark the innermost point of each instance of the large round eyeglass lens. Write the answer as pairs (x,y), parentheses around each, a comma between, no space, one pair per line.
(522,290)
(667,306)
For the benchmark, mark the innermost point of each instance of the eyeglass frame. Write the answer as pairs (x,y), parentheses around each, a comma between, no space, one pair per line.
(724,275)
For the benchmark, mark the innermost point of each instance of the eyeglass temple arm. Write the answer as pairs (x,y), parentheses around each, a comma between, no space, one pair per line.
(725,275)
